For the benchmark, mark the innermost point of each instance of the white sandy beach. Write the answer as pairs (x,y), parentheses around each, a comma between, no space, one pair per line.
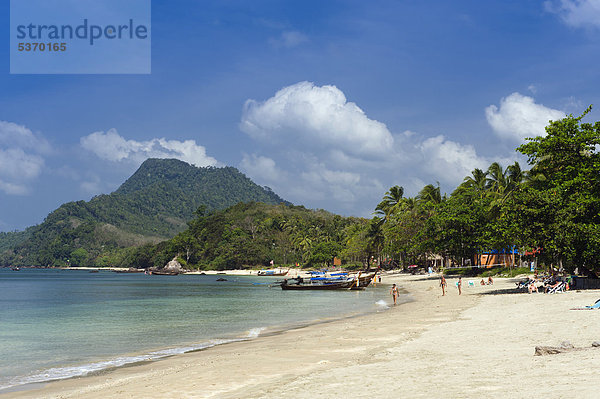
(470,346)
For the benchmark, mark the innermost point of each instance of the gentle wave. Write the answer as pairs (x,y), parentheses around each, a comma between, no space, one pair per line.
(255,332)
(383,304)
(60,373)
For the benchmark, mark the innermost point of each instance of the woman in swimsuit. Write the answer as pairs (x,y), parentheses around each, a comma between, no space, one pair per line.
(443,285)
(394,293)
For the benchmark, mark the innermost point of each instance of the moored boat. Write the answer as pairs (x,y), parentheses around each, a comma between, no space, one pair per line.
(322,285)
(164,273)
(357,282)
(276,272)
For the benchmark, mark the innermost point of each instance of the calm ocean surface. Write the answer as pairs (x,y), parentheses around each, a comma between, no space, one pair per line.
(62,323)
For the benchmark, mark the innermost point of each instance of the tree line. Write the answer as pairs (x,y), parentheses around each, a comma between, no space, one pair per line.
(553,208)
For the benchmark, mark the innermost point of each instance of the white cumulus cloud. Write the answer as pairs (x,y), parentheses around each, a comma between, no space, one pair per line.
(261,167)
(519,117)
(448,160)
(315,116)
(577,13)
(112,146)
(18,136)
(321,150)
(21,157)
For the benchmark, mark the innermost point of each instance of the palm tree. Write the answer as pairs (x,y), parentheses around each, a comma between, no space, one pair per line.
(497,181)
(304,242)
(390,201)
(375,236)
(478,181)
(516,175)
(408,204)
(502,184)
(430,193)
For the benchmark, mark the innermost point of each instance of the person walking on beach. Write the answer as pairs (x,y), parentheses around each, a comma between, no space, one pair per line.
(459,285)
(394,293)
(443,285)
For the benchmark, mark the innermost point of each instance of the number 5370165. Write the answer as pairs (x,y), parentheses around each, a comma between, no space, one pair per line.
(42,46)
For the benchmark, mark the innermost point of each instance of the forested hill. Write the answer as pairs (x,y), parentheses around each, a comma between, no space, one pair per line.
(174,189)
(251,234)
(154,204)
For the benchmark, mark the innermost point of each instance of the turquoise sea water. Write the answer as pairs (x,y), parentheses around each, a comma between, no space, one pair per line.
(63,323)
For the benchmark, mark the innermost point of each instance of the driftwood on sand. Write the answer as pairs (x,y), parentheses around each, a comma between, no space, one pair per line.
(565,346)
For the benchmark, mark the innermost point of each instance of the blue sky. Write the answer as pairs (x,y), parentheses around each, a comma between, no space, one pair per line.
(328,103)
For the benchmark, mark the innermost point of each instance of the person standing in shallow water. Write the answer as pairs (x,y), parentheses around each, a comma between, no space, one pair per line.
(394,293)
(443,284)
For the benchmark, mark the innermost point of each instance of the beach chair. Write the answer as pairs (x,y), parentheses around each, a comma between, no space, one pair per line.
(596,305)
(524,283)
(558,288)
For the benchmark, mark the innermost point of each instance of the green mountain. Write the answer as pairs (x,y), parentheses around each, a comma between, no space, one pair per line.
(154,204)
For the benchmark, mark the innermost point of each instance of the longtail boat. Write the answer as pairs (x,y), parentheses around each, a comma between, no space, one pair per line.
(354,283)
(334,285)
(164,273)
(276,272)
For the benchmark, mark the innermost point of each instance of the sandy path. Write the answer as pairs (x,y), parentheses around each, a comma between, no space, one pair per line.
(468,346)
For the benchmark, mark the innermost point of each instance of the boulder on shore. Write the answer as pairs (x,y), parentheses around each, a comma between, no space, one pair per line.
(171,268)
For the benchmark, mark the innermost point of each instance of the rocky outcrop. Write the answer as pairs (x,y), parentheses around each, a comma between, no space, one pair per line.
(172,268)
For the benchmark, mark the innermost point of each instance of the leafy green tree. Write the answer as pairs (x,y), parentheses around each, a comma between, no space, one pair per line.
(323,253)
(79,257)
(566,163)
(355,248)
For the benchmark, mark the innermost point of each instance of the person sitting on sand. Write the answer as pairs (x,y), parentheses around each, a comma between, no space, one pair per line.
(482,282)
(490,281)
(394,293)
(443,285)
(532,287)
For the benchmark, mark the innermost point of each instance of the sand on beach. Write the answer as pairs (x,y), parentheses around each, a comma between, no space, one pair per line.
(477,345)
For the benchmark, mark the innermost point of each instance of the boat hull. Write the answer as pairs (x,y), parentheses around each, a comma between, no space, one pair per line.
(333,286)
(271,273)
(363,282)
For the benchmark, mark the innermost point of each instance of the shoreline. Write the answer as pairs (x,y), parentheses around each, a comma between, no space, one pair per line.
(473,345)
(100,366)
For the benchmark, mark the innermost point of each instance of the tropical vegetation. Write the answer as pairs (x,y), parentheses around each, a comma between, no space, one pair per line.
(553,208)
(254,234)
